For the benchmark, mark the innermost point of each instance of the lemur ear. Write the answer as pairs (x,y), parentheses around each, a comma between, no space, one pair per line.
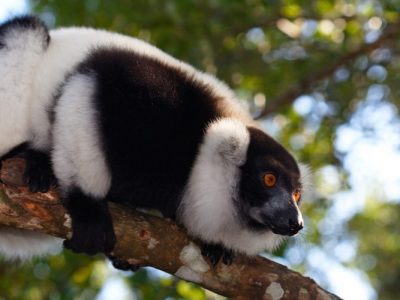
(228,139)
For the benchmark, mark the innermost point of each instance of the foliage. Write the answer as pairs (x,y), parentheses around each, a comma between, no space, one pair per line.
(73,276)
(66,276)
(379,248)
(304,68)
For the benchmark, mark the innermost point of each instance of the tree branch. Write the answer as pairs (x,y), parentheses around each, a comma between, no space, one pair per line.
(157,242)
(392,31)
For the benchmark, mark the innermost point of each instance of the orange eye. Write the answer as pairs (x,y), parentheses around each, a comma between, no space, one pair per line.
(269,180)
(296,196)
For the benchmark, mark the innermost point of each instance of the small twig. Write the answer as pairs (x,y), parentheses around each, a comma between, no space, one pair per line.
(393,30)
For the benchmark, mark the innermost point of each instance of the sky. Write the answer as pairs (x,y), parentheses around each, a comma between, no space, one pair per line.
(9,8)
(365,175)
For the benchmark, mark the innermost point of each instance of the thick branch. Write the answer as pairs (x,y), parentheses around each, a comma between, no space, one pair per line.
(391,32)
(156,242)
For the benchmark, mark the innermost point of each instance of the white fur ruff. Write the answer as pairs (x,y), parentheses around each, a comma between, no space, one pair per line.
(306,179)
(207,209)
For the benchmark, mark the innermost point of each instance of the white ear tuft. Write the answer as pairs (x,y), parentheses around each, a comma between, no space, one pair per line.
(305,177)
(228,138)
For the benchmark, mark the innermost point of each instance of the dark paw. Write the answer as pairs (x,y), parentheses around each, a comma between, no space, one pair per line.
(215,252)
(91,235)
(17,151)
(91,239)
(38,173)
(123,265)
(92,229)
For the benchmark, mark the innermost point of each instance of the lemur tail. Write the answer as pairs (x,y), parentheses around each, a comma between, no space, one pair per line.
(23,245)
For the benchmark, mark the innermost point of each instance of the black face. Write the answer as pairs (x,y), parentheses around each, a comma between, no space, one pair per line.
(270,187)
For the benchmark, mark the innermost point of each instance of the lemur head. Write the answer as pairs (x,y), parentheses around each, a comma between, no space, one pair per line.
(243,191)
(270,187)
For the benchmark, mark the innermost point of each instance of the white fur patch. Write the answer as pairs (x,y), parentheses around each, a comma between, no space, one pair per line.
(77,156)
(18,244)
(226,140)
(18,59)
(207,209)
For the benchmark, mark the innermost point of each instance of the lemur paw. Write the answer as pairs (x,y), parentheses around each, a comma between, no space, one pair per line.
(17,151)
(91,238)
(122,264)
(92,228)
(38,173)
(215,252)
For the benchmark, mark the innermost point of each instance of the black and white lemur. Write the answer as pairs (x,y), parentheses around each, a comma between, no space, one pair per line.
(116,119)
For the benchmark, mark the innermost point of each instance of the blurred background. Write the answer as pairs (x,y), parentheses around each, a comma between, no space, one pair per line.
(323,77)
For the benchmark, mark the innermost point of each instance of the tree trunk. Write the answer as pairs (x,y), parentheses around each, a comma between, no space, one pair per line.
(151,241)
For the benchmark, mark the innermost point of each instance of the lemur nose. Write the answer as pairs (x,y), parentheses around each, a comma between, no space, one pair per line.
(295,225)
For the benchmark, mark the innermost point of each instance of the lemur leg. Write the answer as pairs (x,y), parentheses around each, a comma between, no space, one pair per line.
(83,190)
(92,229)
(38,173)
(80,166)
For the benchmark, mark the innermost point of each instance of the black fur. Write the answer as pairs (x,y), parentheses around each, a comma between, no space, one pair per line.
(38,173)
(17,151)
(122,264)
(215,252)
(265,155)
(91,224)
(152,119)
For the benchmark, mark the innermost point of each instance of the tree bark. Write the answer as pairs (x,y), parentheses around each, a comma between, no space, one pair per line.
(152,241)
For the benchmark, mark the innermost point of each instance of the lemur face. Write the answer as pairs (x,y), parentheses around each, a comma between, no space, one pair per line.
(270,187)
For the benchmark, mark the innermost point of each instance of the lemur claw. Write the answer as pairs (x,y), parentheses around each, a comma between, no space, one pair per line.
(215,252)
